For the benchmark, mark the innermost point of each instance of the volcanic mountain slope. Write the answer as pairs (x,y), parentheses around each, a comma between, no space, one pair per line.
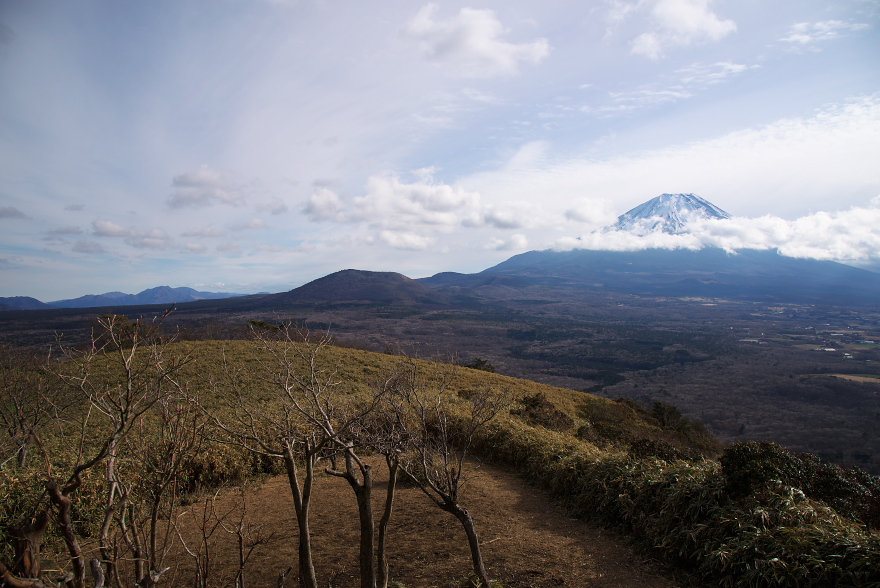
(669,213)
(359,286)
(710,272)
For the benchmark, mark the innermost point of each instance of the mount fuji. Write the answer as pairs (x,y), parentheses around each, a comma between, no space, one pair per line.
(670,213)
(748,274)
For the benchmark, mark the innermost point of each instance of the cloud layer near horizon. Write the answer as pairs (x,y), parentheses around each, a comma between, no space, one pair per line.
(849,235)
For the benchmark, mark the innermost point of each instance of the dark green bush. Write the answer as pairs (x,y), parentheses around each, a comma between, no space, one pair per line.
(752,466)
(537,410)
(774,534)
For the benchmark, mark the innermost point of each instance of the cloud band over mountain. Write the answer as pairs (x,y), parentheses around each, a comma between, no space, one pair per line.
(849,235)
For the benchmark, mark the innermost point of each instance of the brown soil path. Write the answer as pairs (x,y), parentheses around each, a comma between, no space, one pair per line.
(528,541)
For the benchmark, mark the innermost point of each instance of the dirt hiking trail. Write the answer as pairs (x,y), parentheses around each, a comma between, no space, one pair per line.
(528,541)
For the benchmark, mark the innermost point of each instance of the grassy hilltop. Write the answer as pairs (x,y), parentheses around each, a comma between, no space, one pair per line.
(753,514)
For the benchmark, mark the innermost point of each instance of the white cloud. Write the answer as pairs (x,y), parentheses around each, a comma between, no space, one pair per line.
(412,215)
(504,219)
(195,248)
(517,242)
(254,223)
(850,235)
(681,23)
(203,187)
(152,239)
(229,247)
(406,240)
(780,168)
(478,96)
(804,34)
(89,247)
(472,41)
(103,228)
(592,212)
(273,248)
(325,205)
(391,203)
(203,232)
(274,207)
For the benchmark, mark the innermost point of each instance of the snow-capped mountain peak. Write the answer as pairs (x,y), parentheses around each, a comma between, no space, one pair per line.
(670,213)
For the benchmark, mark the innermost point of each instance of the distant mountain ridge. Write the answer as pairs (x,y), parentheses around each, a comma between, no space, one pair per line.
(157,295)
(670,213)
(21,303)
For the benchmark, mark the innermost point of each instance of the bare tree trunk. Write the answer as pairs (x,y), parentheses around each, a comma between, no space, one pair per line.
(7,579)
(109,509)
(363,490)
(137,550)
(97,573)
(61,500)
(301,499)
(28,544)
(383,576)
(470,530)
(24,448)
(364,494)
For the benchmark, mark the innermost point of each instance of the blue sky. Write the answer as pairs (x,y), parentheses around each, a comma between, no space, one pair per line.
(254,145)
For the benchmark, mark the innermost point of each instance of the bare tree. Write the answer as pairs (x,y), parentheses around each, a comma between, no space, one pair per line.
(304,424)
(149,486)
(23,396)
(117,381)
(209,520)
(385,431)
(248,536)
(441,438)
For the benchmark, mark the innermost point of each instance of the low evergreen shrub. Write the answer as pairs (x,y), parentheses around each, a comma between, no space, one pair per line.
(759,531)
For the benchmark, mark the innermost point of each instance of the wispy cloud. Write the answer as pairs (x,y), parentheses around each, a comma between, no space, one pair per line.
(253,224)
(681,23)
(69,230)
(203,232)
(203,187)
(88,247)
(151,239)
(685,83)
(702,75)
(472,41)
(195,248)
(807,35)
